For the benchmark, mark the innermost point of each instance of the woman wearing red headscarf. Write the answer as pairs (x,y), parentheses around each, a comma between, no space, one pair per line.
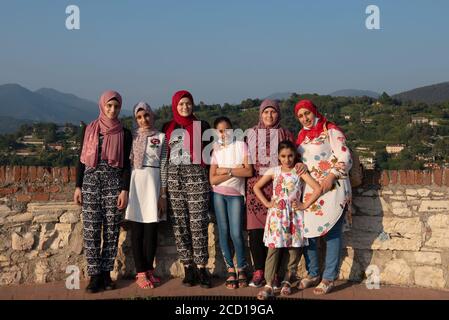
(322,146)
(102,184)
(188,188)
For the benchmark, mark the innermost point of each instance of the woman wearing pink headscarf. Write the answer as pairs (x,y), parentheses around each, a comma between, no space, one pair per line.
(102,184)
(322,146)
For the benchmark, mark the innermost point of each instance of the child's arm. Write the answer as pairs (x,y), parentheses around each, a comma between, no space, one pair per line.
(266,178)
(215,178)
(244,171)
(316,190)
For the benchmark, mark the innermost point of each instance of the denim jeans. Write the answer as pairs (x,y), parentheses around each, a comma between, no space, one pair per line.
(229,215)
(333,252)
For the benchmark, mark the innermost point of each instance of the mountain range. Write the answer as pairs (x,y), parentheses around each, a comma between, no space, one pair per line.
(435,93)
(355,93)
(19,105)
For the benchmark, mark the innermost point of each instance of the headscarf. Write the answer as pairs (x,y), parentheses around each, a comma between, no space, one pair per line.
(140,135)
(318,126)
(185,123)
(283,134)
(113,136)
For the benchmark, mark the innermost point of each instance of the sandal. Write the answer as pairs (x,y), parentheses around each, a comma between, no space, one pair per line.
(143,282)
(152,277)
(231,281)
(323,288)
(308,282)
(243,278)
(266,293)
(286,289)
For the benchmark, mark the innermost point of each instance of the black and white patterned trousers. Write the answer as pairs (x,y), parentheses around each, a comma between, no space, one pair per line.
(188,193)
(100,190)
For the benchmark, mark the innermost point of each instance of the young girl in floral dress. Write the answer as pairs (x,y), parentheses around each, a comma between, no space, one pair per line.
(284,227)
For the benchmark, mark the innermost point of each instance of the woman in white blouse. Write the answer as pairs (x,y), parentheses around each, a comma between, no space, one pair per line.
(322,146)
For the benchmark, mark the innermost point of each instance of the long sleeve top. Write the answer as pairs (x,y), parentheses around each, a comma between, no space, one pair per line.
(125,171)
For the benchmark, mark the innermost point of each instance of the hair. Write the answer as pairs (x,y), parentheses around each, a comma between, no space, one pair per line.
(113,99)
(287,144)
(140,109)
(222,119)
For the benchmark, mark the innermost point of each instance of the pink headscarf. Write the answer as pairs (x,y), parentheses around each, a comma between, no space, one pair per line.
(113,136)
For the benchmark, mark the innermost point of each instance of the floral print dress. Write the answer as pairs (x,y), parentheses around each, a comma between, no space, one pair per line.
(323,155)
(284,227)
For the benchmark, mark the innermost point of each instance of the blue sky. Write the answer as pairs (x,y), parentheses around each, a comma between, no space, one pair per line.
(223,51)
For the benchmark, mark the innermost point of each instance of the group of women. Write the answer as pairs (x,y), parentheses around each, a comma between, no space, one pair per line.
(287,203)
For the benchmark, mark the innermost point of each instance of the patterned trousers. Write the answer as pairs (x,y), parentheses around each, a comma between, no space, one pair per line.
(100,190)
(188,193)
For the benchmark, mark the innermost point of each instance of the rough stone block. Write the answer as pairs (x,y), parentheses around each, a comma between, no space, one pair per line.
(430,277)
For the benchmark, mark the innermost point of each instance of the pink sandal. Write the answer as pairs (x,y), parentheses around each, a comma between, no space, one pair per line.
(143,282)
(152,277)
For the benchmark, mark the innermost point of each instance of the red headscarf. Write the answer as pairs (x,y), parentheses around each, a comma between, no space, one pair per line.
(185,123)
(113,136)
(318,128)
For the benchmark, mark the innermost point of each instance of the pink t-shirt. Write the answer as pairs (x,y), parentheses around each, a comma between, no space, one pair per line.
(230,156)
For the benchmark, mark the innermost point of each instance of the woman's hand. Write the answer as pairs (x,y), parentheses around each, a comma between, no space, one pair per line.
(122,200)
(300,168)
(327,183)
(298,205)
(161,207)
(77,196)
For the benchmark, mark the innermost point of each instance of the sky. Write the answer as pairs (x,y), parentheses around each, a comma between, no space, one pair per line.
(222,51)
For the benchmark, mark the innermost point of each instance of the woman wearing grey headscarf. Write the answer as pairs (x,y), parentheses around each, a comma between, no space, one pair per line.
(147,197)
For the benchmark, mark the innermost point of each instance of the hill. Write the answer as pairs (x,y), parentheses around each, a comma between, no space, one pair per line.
(435,93)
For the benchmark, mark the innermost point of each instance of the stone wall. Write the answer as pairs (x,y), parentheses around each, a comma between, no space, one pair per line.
(400,228)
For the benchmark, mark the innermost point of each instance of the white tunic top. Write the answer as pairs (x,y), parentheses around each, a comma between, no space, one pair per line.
(326,154)
(145,184)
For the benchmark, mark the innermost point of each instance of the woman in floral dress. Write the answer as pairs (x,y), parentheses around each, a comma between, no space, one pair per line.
(322,146)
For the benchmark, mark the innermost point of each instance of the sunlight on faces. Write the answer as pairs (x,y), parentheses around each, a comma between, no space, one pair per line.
(143,119)
(305,117)
(185,107)
(269,117)
(287,157)
(112,109)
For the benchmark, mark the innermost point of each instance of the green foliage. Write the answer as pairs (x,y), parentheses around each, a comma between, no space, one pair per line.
(385,121)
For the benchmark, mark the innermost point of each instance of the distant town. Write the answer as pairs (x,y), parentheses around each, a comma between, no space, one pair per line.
(384,132)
